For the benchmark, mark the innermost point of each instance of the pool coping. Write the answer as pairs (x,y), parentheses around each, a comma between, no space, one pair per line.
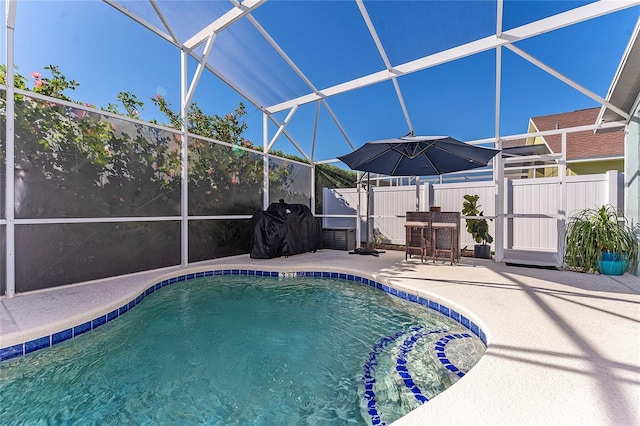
(17,344)
(562,347)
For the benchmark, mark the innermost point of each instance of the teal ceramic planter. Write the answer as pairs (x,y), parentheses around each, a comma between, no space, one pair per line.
(613,263)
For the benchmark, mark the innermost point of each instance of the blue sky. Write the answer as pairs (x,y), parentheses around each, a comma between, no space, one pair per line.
(106,52)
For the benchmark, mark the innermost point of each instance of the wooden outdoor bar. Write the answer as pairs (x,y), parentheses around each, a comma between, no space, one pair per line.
(431,234)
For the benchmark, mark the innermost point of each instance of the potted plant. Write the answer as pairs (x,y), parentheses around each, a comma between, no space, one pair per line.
(600,240)
(478,228)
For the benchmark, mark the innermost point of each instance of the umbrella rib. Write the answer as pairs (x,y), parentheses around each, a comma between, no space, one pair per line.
(421,151)
(401,149)
(395,166)
(375,157)
(431,162)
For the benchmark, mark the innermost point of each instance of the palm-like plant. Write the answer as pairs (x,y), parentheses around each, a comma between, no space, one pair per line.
(592,232)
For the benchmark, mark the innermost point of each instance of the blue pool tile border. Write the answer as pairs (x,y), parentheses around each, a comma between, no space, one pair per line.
(34,345)
(43,342)
(82,328)
(61,336)
(12,351)
(440,349)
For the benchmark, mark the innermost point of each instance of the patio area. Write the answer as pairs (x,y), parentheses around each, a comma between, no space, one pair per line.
(562,346)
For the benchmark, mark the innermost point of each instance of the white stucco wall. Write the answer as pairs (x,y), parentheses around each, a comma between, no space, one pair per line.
(632,172)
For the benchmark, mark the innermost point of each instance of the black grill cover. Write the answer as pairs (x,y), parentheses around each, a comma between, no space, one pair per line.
(284,230)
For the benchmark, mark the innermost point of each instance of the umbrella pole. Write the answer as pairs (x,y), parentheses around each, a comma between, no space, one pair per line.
(367,250)
(367,209)
(417,193)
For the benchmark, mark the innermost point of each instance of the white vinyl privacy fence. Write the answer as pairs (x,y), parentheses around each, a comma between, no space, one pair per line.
(535,210)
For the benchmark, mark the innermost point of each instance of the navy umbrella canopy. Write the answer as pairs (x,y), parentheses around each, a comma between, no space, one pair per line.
(418,156)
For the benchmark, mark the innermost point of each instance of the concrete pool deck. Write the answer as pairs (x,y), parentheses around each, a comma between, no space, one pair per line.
(563,347)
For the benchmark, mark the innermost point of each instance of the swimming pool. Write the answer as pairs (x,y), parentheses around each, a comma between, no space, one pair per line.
(235,349)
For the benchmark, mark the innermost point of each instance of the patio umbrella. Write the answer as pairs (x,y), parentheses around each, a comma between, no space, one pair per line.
(415,156)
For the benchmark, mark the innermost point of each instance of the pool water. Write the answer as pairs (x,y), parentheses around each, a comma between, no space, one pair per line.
(238,350)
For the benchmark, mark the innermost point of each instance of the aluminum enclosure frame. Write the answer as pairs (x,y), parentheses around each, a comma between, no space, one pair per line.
(240,10)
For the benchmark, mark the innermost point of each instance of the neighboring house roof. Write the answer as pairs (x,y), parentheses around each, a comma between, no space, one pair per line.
(580,145)
(625,85)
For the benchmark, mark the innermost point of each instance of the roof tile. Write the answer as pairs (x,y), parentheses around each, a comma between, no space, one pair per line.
(581,145)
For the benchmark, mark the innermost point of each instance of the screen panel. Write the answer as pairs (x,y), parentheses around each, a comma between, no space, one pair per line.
(3,151)
(289,181)
(52,255)
(3,256)
(223,180)
(210,239)
(77,162)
